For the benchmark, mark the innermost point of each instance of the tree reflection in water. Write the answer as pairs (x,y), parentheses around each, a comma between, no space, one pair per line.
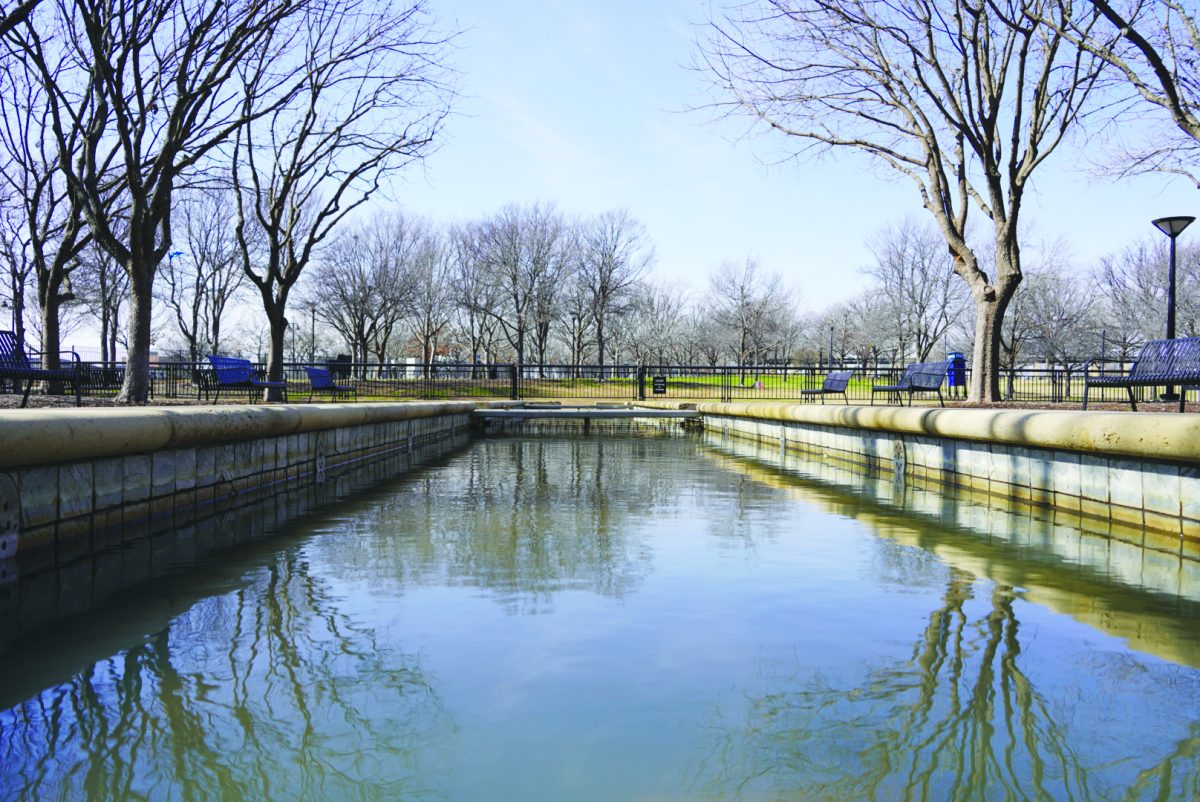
(266,692)
(958,720)
(522,520)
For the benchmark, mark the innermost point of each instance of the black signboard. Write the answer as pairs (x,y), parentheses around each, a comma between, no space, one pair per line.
(660,385)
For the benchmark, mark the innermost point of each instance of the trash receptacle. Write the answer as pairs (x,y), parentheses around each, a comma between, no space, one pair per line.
(957,375)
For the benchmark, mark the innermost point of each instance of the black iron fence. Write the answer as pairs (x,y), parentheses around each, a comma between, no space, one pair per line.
(172,380)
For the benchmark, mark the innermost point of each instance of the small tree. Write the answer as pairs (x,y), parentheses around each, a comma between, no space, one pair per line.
(916,287)
(614,255)
(201,280)
(372,101)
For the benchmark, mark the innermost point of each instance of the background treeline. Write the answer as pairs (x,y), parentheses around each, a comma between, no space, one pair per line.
(533,285)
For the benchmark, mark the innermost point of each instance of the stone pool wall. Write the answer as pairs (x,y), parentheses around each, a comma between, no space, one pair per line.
(74,482)
(1137,470)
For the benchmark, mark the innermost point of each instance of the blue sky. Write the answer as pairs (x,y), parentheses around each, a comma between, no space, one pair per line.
(584,103)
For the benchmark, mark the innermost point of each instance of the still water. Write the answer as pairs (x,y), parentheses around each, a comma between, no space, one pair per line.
(616,619)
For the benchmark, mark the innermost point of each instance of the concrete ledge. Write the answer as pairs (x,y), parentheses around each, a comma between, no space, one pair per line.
(1146,435)
(46,436)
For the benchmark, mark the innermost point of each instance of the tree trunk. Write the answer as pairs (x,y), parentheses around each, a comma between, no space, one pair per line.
(136,389)
(985,357)
(275,353)
(51,337)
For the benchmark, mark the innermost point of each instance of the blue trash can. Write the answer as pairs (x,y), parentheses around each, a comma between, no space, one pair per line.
(957,375)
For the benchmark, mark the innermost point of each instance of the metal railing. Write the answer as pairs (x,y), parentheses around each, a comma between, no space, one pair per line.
(374,382)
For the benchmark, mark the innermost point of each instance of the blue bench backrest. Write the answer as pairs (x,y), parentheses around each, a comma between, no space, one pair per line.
(231,370)
(12,352)
(1166,359)
(924,375)
(321,378)
(836,381)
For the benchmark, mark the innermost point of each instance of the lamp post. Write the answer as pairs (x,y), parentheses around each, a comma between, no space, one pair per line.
(312,333)
(1172,227)
(831,347)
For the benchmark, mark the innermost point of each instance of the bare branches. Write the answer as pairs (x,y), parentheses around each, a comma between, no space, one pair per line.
(966,98)
(1154,45)
(371,97)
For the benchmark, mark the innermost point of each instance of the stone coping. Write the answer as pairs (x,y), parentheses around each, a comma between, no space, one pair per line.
(1149,435)
(62,435)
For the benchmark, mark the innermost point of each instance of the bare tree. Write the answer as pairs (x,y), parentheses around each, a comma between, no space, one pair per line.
(1133,284)
(363,287)
(657,325)
(372,102)
(521,248)
(431,277)
(575,319)
(615,254)
(201,280)
(916,287)
(146,87)
(44,226)
(18,267)
(476,296)
(104,291)
(967,98)
(747,307)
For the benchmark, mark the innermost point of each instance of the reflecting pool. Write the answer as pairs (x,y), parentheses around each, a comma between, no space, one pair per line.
(624,618)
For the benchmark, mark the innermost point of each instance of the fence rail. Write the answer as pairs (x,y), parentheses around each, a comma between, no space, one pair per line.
(172,380)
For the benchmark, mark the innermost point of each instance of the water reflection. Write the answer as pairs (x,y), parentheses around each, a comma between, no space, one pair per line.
(960,718)
(1149,599)
(264,692)
(520,519)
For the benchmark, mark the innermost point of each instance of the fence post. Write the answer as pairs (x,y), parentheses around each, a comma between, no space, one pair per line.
(514,393)
(641,383)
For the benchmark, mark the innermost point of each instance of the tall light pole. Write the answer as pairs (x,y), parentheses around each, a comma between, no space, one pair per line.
(312,333)
(1172,227)
(831,347)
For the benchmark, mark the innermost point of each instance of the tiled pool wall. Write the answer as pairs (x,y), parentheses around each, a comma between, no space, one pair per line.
(1064,562)
(1150,502)
(52,515)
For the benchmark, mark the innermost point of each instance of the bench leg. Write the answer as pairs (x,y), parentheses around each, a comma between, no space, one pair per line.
(78,391)
(1132,401)
(940,401)
(28,387)
(1085,395)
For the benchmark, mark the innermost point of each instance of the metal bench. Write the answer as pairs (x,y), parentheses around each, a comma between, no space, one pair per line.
(322,382)
(1162,363)
(16,365)
(922,377)
(235,373)
(835,382)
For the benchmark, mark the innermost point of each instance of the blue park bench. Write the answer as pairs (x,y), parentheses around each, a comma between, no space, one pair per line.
(322,382)
(16,365)
(232,372)
(835,382)
(921,377)
(1162,363)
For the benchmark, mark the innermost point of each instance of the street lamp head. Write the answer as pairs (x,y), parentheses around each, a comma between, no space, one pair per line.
(1173,226)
